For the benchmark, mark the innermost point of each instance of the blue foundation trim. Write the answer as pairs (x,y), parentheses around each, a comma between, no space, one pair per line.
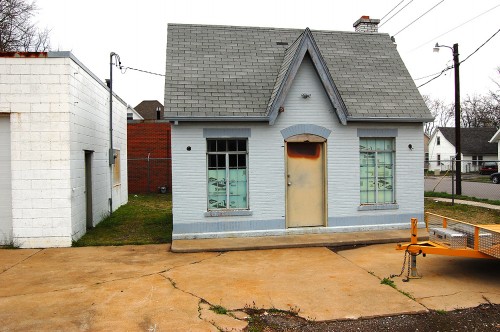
(221,229)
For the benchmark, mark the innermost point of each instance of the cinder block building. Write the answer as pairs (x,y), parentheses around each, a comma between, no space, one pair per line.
(59,174)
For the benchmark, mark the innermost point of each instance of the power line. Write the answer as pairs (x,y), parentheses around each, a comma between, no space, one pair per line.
(458,26)
(124,70)
(481,46)
(451,67)
(392,9)
(432,79)
(395,14)
(426,76)
(418,18)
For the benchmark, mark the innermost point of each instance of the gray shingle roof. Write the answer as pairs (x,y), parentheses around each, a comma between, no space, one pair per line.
(230,72)
(473,141)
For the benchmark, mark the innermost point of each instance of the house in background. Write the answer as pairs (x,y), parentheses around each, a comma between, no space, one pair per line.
(132,114)
(149,162)
(285,131)
(426,151)
(57,175)
(496,139)
(475,148)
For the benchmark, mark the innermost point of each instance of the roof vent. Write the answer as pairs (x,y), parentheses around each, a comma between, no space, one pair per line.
(366,24)
(281,43)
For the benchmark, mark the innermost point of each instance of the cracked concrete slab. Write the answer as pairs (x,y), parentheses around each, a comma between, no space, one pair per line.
(316,282)
(65,268)
(150,288)
(223,322)
(447,282)
(147,303)
(12,257)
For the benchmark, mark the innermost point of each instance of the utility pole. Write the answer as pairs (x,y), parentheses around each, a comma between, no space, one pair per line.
(458,150)
(111,150)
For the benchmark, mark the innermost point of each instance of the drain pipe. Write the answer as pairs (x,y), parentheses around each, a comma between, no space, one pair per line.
(111,150)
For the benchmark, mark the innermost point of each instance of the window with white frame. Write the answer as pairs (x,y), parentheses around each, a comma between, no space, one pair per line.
(376,170)
(477,160)
(227,180)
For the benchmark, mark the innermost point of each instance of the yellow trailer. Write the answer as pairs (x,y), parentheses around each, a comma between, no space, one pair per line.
(451,237)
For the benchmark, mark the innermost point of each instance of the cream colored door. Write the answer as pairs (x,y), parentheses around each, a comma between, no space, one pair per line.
(305,197)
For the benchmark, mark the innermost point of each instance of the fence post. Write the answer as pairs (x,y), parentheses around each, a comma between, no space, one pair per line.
(148,173)
(453,160)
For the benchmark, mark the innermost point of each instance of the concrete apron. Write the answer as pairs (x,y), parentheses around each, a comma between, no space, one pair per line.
(150,288)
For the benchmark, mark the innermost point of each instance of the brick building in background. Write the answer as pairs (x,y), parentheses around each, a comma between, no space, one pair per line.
(149,163)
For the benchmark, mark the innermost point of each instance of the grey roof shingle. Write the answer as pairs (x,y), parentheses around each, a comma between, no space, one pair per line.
(473,141)
(231,72)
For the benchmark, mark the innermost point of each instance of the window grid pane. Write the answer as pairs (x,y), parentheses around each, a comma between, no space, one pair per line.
(227,174)
(376,170)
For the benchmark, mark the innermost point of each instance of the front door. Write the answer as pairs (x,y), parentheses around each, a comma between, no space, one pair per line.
(305,196)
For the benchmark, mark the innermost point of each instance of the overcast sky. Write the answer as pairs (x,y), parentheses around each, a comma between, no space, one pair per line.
(137,31)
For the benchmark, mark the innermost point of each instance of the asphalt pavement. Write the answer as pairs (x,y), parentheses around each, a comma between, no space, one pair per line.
(469,188)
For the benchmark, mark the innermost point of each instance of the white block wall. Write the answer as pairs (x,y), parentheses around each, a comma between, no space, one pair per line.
(267,163)
(58,109)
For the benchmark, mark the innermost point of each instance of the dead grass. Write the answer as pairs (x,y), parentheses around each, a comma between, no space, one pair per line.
(467,213)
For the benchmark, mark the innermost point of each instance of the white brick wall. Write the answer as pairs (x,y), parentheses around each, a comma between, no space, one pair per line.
(266,161)
(58,109)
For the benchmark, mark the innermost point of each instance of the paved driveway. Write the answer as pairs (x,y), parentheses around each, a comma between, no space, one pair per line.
(474,189)
(149,288)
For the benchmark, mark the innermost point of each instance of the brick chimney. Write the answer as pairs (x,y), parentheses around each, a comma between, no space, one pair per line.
(366,24)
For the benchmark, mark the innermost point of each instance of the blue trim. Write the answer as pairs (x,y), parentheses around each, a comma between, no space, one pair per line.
(377,132)
(228,213)
(236,228)
(305,129)
(227,132)
(372,207)
(228,226)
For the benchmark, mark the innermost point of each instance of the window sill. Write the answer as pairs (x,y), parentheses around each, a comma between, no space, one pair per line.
(228,213)
(378,207)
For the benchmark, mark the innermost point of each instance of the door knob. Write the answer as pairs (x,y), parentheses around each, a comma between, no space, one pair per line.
(289,183)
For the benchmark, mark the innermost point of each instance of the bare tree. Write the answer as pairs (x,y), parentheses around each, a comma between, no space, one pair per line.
(442,113)
(18,32)
(480,111)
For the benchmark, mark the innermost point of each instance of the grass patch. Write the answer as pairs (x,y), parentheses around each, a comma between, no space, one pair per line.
(466,198)
(218,309)
(388,282)
(145,219)
(463,212)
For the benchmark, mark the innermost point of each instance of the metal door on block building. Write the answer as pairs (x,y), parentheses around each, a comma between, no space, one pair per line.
(305,181)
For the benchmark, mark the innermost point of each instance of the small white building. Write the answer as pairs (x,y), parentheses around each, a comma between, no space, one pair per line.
(475,148)
(496,139)
(56,175)
(285,131)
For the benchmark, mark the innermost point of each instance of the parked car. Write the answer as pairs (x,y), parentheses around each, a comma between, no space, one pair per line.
(488,167)
(495,178)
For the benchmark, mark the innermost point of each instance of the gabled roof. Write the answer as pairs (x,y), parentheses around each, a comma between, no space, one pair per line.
(473,141)
(226,73)
(147,109)
(291,63)
(496,137)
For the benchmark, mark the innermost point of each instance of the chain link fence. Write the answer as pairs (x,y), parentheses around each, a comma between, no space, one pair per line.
(149,175)
(476,178)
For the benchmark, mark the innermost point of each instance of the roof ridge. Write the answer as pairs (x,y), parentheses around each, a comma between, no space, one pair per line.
(244,27)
